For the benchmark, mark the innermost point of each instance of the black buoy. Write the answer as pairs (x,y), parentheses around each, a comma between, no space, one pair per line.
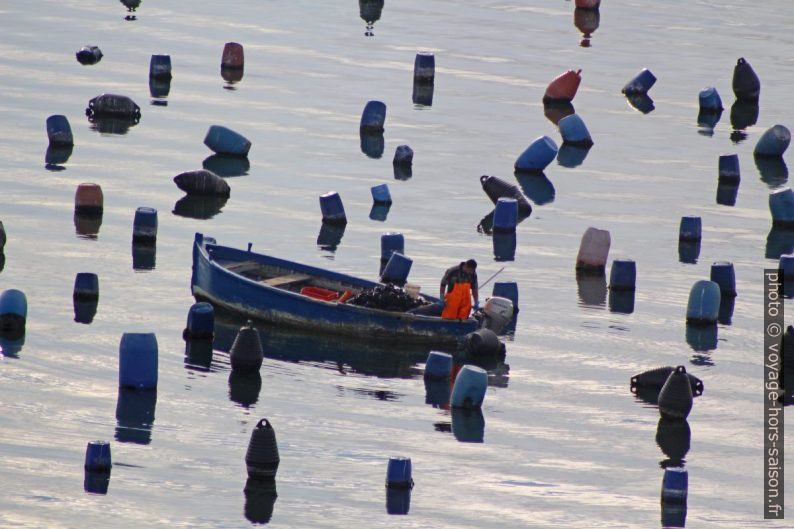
(246,351)
(483,342)
(746,84)
(654,379)
(262,458)
(675,398)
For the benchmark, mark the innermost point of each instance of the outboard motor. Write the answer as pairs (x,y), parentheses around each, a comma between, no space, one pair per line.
(497,312)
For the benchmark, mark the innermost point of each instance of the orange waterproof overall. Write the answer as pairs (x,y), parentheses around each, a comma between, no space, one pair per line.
(457,302)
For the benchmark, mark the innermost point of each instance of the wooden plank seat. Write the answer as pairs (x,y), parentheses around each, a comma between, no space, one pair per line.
(243,266)
(281,281)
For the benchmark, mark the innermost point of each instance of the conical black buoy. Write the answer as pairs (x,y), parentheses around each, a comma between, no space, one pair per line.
(675,398)
(262,459)
(246,352)
(746,84)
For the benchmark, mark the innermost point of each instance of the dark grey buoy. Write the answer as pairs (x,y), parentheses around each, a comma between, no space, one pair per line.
(59,132)
(774,142)
(403,156)
(424,67)
(202,182)
(728,169)
(483,342)
(654,379)
(86,286)
(89,55)
(746,85)
(623,275)
(160,67)
(97,456)
(261,458)
(246,351)
(675,398)
(113,105)
(690,229)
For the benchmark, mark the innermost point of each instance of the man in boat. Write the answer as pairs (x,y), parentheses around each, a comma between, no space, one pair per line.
(458,287)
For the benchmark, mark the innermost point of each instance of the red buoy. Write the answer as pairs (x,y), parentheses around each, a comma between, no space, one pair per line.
(232,56)
(88,199)
(563,88)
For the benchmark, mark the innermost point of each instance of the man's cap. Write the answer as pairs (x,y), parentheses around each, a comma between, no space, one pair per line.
(472,263)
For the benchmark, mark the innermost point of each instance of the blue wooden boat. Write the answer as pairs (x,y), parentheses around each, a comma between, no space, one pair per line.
(269,289)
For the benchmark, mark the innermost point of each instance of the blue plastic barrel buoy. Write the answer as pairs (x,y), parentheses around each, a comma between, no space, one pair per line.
(261,458)
(332,209)
(396,269)
(709,100)
(246,353)
(675,485)
(469,388)
(373,117)
(507,289)
(438,365)
(97,456)
(704,302)
(690,229)
(505,215)
(86,286)
(641,83)
(424,67)
(200,322)
(728,168)
(380,194)
(786,264)
(59,132)
(138,360)
(537,156)
(675,397)
(160,67)
(781,205)
(398,473)
(391,242)
(722,273)
(403,156)
(746,84)
(14,303)
(223,140)
(623,275)
(144,226)
(773,142)
(574,131)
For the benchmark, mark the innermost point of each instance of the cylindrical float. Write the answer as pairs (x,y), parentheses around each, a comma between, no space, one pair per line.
(728,169)
(537,156)
(675,397)
(497,188)
(59,132)
(200,322)
(261,458)
(113,105)
(391,242)
(507,289)
(144,226)
(773,142)
(332,209)
(202,182)
(709,100)
(396,269)
(623,275)
(722,273)
(88,200)
(482,342)
(704,303)
(746,84)
(781,205)
(97,456)
(469,388)
(786,264)
(563,88)
(89,55)
(593,251)
(424,67)
(160,67)
(403,156)
(574,131)
(690,229)
(233,57)
(86,286)
(505,215)
(380,194)
(223,140)
(438,365)
(398,473)
(641,83)
(138,360)
(373,117)
(675,485)
(246,354)
(13,312)
(654,380)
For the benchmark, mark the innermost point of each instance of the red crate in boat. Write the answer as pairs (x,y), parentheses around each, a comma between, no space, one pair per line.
(320,293)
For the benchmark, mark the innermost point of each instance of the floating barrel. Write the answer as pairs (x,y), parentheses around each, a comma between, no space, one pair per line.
(690,229)
(675,397)
(786,264)
(728,168)
(574,131)
(508,290)
(144,226)
(13,312)
(97,456)
(233,57)
(563,88)
(470,386)
(246,351)
(403,156)
(483,342)
(332,209)
(223,140)
(709,100)
(88,200)
(424,67)
(674,438)
(505,215)
(398,473)
(160,67)
(623,275)
(593,251)
(200,322)
(773,142)
(380,194)
(138,360)
(640,84)
(390,242)
(537,156)
(722,273)
(704,303)
(396,269)
(675,485)
(438,365)
(261,458)
(113,105)
(746,84)
(59,132)
(202,182)
(373,117)
(654,379)
(86,286)
(89,55)
(781,205)
(588,4)
(497,188)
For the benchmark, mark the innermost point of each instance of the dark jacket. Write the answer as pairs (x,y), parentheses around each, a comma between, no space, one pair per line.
(456,274)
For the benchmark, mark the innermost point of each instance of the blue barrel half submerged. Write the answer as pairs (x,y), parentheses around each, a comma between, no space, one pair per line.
(438,365)
(398,473)
(223,140)
(623,275)
(86,286)
(675,485)
(200,322)
(710,100)
(469,388)
(380,194)
(13,313)
(332,209)
(505,215)
(138,360)
(391,242)
(574,131)
(704,303)
(424,67)
(373,117)
(59,132)
(537,156)
(507,289)
(97,456)
(144,226)
(690,229)
(160,67)
(722,273)
(403,156)
(397,269)
(773,142)
(641,83)
(728,169)
(781,205)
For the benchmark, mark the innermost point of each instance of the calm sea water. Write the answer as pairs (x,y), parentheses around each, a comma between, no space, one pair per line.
(565,444)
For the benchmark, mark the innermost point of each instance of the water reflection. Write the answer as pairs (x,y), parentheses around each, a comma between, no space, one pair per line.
(199,206)
(554,112)
(2,260)
(423,94)
(11,345)
(231,76)
(372,144)
(641,102)
(87,225)
(592,289)
(537,187)
(727,305)
(779,241)
(85,310)
(398,501)
(227,166)
(621,301)
(726,194)
(571,155)
(198,354)
(131,5)
(773,170)
(688,251)
(135,415)
(586,21)
(143,256)
(403,172)
(112,124)
(673,437)
(744,114)
(437,393)
(244,388)
(370,12)
(701,337)
(707,120)
(96,482)
(673,514)
(260,497)
(379,212)
(55,156)
(159,89)
(330,236)
(504,246)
